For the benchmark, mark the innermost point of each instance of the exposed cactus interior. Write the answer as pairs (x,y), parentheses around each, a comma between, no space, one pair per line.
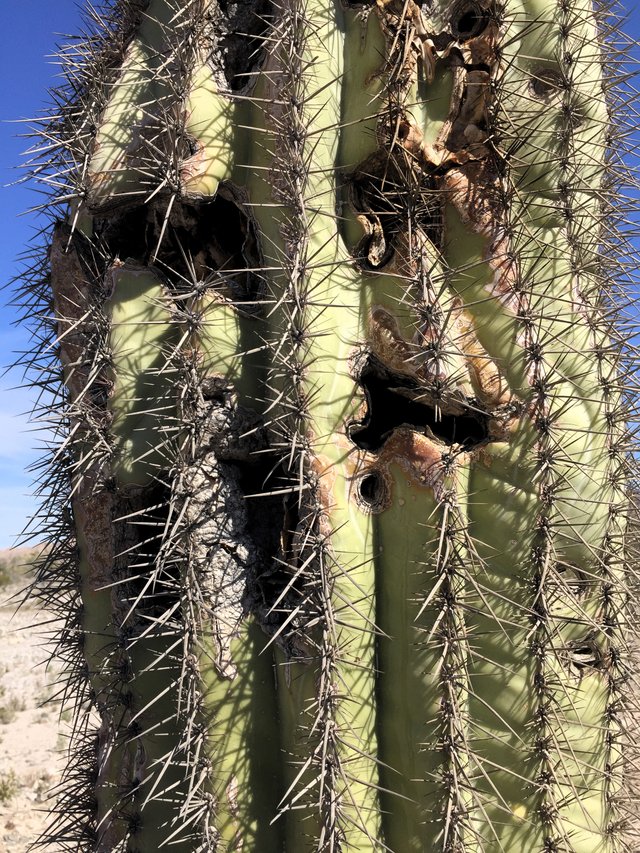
(344,473)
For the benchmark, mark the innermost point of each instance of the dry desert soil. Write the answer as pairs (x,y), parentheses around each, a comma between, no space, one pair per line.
(32,731)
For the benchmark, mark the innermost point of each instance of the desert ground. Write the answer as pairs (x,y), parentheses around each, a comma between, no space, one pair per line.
(32,731)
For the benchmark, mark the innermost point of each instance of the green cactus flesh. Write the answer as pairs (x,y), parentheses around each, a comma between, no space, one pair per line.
(344,461)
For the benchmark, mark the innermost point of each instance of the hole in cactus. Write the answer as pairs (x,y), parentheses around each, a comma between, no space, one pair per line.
(469,22)
(572,579)
(244,25)
(585,655)
(146,591)
(395,401)
(545,82)
(404,129)
(209,244)
(392,203)
(372,491)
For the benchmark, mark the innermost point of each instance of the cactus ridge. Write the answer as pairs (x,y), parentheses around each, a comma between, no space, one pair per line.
(334,330)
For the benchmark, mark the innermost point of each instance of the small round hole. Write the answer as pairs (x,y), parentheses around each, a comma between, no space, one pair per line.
(585,657)
(572,578)
(370,487)
(404,129)
(372,491)
(469,22)
(545,83)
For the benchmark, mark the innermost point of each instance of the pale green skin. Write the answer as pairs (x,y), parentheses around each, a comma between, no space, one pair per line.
(391,791)
(133,101)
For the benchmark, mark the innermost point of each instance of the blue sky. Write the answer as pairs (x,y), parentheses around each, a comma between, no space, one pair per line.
(30,31)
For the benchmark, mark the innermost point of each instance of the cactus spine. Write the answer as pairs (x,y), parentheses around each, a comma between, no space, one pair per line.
(343,475)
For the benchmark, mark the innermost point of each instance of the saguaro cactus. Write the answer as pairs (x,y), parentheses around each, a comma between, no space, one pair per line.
(343,478)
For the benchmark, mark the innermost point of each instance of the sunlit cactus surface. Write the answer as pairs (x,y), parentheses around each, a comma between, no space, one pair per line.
(332,329)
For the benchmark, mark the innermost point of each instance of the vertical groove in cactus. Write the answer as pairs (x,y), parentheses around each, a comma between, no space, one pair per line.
(345,476)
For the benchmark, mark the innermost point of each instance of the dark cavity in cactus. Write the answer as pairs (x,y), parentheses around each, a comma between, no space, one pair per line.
(340,516)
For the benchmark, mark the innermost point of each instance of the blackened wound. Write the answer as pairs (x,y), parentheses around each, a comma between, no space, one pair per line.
(392,204)
(242,26)
(140,518)
(212,242)
(395,401)
(372,489)
(469,21)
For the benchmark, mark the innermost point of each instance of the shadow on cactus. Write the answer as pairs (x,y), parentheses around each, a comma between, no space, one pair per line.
(343,382)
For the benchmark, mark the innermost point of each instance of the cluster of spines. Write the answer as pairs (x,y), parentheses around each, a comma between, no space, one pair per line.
(80,466)
(295,400)
(319,775)
(543,644)
(440,619)
(587,263)
(617,359)
(585,227)
(57,581)
(91,65)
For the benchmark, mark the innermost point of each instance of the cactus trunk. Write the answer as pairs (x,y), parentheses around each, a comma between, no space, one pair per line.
(343,472)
